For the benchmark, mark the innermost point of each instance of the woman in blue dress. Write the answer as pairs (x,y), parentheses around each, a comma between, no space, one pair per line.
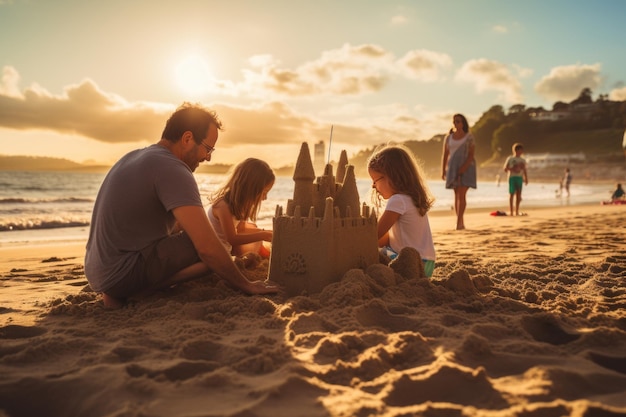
(458,165)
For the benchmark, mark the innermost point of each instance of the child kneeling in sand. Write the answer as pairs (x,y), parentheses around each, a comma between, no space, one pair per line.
(396,178)
(235,205)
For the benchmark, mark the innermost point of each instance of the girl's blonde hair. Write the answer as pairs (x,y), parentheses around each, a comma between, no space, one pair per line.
(404,174)
(243,191)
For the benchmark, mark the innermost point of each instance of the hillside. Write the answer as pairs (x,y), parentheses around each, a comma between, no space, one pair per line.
(41,163)
(602,148)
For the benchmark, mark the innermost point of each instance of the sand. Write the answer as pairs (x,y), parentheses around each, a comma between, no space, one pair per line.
(524,316)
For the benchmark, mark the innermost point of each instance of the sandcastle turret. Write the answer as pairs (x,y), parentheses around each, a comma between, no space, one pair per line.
(324,187)
(341,166)
(325,231)
(303,176)
(348,199)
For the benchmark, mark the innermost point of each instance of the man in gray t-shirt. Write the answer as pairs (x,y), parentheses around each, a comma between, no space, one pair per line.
(149,229)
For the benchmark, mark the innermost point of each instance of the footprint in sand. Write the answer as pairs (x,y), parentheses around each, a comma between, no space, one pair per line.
(14,331)
(615,363)
(545,329)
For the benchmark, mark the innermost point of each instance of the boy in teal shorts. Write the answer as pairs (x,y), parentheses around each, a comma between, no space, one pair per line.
(515,166)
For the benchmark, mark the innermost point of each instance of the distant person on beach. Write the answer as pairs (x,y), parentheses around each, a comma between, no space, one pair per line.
(396,177)
(149,229)
(458,167)
(618,194)
(566,181)
(235,205)
(515,166)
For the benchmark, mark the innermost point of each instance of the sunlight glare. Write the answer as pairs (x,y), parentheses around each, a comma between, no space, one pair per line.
(193,75)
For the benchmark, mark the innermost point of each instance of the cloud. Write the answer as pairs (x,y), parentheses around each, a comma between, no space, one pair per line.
(618,94)
(346,71)
(82,109)
(500,29)
(349,70)
(268,123)
(489,75)
(424,65)
(277,123)
(9,85)
(399,20)
(565,83)
(85,110)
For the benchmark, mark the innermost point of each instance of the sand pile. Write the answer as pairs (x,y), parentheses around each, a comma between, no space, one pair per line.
(523,317)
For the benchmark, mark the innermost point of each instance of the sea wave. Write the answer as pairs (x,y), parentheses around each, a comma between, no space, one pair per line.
(16,200)
(41,224)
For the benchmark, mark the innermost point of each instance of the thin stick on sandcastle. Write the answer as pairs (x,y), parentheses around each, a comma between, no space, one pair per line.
(337,234)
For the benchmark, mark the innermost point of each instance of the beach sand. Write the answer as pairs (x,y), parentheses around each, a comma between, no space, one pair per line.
(524,316)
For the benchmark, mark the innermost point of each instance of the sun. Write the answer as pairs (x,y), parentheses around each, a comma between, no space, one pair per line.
(193,75)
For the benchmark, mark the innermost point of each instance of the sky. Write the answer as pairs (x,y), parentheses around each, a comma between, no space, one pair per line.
(90,81)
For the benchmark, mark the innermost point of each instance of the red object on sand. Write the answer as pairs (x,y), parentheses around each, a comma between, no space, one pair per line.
(616,202)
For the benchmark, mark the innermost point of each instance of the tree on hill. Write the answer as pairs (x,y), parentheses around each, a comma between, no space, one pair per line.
(560,106)
(584,97)
(484,130)
(517,108)
(495,131)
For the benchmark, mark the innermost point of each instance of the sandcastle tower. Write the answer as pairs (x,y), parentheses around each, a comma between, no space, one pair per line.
(325,231)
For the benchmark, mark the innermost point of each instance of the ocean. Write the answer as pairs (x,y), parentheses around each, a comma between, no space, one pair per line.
(40,207)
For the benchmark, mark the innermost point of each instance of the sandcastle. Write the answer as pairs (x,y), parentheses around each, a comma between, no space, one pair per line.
(338,234)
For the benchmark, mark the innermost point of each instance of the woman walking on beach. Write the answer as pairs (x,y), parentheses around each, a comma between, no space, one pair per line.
(396,178)
(458,167)
(234,208)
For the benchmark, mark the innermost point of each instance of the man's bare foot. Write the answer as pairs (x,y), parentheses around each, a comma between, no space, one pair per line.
(112,303)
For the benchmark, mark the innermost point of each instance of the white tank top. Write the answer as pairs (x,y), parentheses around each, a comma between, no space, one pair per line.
(455,144)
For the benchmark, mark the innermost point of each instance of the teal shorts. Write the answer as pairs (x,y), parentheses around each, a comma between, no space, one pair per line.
(515,184)
(429,267)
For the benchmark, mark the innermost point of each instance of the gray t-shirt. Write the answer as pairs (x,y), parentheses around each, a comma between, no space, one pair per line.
(133,209)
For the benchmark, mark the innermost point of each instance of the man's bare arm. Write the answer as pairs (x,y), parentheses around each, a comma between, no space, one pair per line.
(193,220)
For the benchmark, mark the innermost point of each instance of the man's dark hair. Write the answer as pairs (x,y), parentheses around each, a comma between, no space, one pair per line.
(190,117)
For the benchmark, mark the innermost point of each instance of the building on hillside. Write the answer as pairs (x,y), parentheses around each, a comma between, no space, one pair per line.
(582,111)
(575,111)
(319,150)
(324,231)
(550,116)
(548,160)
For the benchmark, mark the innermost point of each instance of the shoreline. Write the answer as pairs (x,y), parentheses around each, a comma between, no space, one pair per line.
(476,219)
(76,235)
(39,216)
